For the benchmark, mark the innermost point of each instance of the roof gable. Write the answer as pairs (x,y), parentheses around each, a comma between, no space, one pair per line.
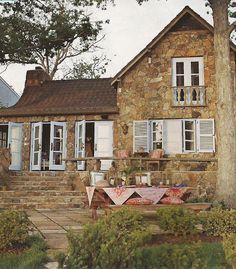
(187,19)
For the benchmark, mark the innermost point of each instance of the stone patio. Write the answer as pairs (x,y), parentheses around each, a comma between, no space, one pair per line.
(53,225)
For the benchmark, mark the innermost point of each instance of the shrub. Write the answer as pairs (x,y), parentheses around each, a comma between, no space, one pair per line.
(109,243)
(191,256)
(230,248)
(14,229)
(218,221)
(177,220)
(32,258)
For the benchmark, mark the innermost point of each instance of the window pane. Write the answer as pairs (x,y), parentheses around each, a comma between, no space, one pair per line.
(189,135)
(180,80)
(57,158)
(195,67)
(189,146)
(189,125)
(157,145)
(58,131)
(195,80)
(180,68)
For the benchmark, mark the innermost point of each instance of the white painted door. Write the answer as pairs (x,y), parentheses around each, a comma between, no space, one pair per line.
(103,146)
(36,146)
(15,145)
(58,146)
(80,143)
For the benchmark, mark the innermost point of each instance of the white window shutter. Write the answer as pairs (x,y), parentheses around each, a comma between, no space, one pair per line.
(172,137)
(206,135)
(141,136)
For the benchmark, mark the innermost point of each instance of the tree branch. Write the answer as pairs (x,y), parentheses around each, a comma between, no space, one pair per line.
(232,27)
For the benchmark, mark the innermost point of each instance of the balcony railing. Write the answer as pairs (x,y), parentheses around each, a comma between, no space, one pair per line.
(189,96)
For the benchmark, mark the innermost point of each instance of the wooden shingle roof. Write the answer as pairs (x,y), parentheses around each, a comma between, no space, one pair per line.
(66,97)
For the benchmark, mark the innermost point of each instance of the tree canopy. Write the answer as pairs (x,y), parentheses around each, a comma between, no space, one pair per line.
(46,32)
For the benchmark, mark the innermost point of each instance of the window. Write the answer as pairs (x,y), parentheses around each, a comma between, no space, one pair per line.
(156,134)
(187,72)
(174,135)
(189,135)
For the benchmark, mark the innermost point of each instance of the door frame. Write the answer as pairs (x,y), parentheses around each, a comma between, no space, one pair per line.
(38,166)
(10,125)
(52,166)
(80,164)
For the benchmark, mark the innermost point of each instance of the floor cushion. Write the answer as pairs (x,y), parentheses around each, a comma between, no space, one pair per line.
(139,201)
(172,201)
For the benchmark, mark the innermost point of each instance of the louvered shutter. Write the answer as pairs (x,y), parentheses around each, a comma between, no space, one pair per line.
(205,135)
(172,137)
(141,136)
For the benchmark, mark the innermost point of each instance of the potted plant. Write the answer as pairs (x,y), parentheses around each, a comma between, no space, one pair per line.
(4,182)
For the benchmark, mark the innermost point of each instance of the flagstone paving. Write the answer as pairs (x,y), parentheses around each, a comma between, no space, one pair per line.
(53,225)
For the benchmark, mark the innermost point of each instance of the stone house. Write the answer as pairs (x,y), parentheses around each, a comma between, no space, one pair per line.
(163,98)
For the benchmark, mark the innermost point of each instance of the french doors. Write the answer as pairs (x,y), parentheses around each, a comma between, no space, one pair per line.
(15,145)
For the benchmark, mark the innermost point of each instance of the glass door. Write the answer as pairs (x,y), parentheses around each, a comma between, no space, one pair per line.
(15,145)
(36,146)
(58,146)
(80,143)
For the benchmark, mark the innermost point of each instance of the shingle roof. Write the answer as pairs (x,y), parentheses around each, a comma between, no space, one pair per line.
(64,97)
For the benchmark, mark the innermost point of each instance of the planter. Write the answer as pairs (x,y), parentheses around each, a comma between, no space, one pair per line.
(157,153)
(123,153)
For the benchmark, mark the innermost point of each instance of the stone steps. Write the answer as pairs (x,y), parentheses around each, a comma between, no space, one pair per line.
(41,199)
(38,183)
(40,192)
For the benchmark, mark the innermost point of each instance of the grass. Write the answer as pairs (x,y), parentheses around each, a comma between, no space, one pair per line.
(31,258)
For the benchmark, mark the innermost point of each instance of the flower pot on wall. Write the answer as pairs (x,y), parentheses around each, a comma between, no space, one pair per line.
(157,153)
(123,153)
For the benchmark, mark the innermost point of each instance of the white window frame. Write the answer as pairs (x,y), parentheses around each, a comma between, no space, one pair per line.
(184,135)
(152,131)
(187,70)
(182,146)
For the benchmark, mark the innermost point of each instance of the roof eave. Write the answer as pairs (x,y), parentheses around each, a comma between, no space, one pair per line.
(186,10)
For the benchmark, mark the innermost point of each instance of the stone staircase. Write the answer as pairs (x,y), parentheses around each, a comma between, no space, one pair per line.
(45,191)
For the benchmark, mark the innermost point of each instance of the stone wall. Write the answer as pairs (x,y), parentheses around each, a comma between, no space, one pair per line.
(146,91)
(70,144)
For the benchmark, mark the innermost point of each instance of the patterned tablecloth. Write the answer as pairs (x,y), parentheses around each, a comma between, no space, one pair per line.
(120,194)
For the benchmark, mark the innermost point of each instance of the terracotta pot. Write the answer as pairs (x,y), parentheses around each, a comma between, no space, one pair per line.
(157,153)
(123,153)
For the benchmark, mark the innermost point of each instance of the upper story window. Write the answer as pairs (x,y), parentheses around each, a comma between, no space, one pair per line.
(188,81)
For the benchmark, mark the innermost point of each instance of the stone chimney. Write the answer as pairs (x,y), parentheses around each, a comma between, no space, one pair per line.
(36,77)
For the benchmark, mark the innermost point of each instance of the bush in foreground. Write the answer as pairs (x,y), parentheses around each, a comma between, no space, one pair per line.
(177,220)
(191,256)
(109,243)
(14,229)
(33,257)
(218,221)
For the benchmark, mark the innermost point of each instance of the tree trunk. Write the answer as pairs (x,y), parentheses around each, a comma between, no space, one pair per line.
(225,124)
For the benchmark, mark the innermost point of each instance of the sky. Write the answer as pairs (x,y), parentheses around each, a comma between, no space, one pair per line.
(130,29)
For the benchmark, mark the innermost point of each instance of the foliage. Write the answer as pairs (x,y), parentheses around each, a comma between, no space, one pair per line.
(230,248)
(84,69)
(46,32)
(218,221)
(32,258)
(177,220)
(109,243)
(4,179)
(60,257)
(192,256)
(14,229)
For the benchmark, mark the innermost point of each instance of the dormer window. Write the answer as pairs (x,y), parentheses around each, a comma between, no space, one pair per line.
(188,81)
